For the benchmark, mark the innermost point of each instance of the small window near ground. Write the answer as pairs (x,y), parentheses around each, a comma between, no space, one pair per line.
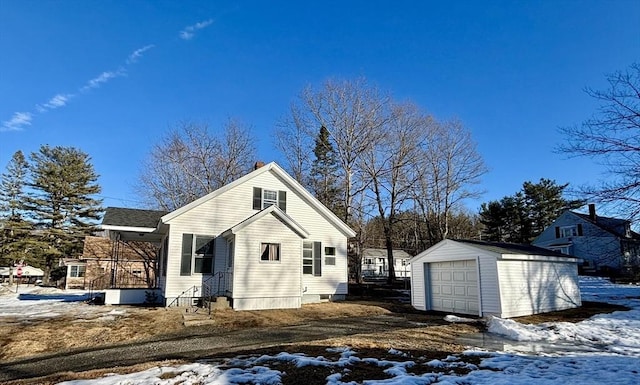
(76,271)
(330,256)
(270,252)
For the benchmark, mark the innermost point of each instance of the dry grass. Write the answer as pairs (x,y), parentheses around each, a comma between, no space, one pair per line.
(22,340)
(233,320)
(19,340)
(434,341)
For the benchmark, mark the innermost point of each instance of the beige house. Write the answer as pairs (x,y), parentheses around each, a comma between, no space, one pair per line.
(108,263)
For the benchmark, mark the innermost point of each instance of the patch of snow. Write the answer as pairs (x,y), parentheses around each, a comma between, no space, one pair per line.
(455,319)
(616,333)
(612,354)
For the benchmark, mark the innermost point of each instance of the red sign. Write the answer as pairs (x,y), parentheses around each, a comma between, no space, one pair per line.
(19,271)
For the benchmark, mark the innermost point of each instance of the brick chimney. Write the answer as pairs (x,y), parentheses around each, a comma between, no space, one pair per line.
(592,212)
(258,165)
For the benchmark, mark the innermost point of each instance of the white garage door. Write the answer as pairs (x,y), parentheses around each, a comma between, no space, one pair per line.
(454,286)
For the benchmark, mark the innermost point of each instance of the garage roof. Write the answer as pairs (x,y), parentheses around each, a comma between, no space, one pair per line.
(513,248)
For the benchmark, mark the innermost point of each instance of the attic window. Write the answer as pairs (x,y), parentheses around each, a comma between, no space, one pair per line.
(269,198)
(263,198)
(569,231)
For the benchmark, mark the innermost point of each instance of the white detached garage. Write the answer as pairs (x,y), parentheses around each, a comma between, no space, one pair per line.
(491,278)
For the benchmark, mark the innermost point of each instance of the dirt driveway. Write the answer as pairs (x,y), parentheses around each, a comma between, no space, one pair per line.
(199,343)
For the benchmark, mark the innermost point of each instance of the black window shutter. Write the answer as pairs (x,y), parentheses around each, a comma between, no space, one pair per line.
(557,232)
(185,262)
(282,200)
(579,229)
(257,198)
(317,259)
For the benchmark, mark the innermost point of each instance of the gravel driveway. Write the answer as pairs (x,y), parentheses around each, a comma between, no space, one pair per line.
(195,344)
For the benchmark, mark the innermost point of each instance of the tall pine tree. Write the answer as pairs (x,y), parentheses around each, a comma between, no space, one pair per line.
(62,184)
(523,216)
(324,170)
(16,241)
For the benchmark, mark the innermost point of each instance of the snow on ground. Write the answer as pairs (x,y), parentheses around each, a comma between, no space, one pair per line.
(35,303)
(610,352)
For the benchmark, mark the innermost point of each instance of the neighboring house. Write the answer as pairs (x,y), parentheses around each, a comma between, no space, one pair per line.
(262,241)
(604,244)
(493,278)
(107,263)
(376,265)
(27,274)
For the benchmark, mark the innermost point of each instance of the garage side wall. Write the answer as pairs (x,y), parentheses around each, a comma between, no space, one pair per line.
(531,287)
(452,251)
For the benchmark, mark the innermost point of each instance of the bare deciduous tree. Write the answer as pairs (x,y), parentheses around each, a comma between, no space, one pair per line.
(612,138)
(450,168)
(353,112)
(192,161)
(294,139)
(389,163)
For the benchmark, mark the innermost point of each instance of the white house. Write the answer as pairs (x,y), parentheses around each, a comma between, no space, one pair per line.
(603,244)
(262,241)
(375,263)
(491,278)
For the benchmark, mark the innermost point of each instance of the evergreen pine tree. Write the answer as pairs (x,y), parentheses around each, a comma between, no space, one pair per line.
(61,204)
(16,236)
(324,170)
(523,216)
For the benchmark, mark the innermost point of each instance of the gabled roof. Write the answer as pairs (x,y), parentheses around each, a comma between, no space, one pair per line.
(512,248)
(275,210)
(118,217)
(382,253)
(615,226)
(270,167)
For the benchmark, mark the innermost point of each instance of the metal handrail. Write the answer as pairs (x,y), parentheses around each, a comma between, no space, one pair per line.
(192,290)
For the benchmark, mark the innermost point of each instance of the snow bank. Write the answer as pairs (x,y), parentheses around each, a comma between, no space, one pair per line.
(617,332)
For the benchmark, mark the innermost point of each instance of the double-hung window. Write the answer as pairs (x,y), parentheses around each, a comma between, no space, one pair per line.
(263,198)
(312,258)
(197,254)
(330,256)
(269,198)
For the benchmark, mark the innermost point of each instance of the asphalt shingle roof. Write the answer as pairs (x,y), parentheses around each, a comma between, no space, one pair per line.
(513,248)
(118,216)
(616,226)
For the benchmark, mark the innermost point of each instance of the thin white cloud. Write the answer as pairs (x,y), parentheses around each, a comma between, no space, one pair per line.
(188,32)
(137,54)
(102,78)
(57,101)
(18,121)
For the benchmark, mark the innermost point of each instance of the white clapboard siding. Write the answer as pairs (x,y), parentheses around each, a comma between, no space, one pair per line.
(510,284)
(234,205)
(531,287)
(259,284)
(448,251)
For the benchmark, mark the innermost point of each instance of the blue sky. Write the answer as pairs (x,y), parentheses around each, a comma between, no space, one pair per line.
(110,77)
